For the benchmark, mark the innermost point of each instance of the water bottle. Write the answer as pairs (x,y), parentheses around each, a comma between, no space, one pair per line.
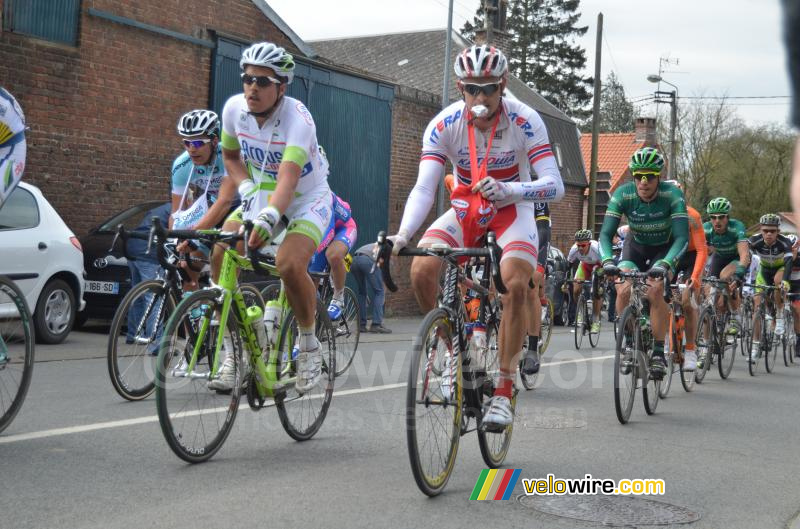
(478,344)
(272,320)
(254,316)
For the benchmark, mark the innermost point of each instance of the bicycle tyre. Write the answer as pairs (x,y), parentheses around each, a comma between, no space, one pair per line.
(746,343)
(347,330)
(579,325)
(651,388)
(131,367)
(494,446)
(195,435)
(752,364)
(788,339)
(669,354)
(547,327)
(727,351)
(705,343)
(770,350)
(17,369)
(436,326)
(295,407)
(625,393)
(687,377)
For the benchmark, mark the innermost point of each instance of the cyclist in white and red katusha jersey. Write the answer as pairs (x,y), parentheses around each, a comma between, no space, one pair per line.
(496,146)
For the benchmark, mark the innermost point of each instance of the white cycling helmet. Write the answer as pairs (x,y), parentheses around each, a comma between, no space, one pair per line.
(481,61)
(199,123)
(268,55)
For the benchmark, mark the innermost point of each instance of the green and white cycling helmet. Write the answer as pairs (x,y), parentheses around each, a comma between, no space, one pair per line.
(268,55)
(770,219)
(199,123)
(583,235)
(719,206)
(646,159)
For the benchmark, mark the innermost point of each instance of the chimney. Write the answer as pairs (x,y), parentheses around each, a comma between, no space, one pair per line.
(495,17)
(645,131)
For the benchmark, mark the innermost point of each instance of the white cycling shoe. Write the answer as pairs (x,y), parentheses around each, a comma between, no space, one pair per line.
(309,368)
(499,414)
(689,360)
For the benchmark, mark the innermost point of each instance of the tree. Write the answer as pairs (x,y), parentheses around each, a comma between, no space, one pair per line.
(543,53)
(616,112)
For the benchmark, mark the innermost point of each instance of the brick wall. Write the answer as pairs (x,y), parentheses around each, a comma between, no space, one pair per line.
(102,114)
(567,217)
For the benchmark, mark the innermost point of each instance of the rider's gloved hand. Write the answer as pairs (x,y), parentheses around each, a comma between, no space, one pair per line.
(399,241)
(263,226)
(492,189)
(609,268)
(659,270)
(786,286)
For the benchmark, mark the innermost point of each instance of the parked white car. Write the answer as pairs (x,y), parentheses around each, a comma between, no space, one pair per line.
(42,255)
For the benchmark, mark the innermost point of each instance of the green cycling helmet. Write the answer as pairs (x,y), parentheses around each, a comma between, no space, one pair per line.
(646,159)
(719,206)
(770,219)
(583,235)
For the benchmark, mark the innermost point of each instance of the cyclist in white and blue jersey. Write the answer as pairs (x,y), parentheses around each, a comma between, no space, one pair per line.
(12,144)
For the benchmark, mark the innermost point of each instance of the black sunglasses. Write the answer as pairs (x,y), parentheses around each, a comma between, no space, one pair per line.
(487,89)
(262,81)
(717,217)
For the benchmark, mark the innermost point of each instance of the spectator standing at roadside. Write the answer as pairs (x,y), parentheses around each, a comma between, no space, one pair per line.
(369,284)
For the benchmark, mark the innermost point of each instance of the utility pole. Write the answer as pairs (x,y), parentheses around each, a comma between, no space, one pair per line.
(448,42)
(590,221)
(488,13)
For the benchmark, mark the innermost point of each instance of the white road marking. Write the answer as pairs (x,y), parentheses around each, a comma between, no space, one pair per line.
(42,434)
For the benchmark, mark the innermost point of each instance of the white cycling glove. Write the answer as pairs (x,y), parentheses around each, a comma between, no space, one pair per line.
(399,242)
(493,190)
(265,222)
(246,188)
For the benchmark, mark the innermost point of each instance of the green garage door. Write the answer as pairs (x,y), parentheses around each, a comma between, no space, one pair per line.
(354,123)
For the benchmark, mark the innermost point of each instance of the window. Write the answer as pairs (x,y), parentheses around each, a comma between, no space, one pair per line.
(557,153)
(19,211)
(55,20)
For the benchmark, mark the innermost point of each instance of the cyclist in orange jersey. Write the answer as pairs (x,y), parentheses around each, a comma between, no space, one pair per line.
(691,264)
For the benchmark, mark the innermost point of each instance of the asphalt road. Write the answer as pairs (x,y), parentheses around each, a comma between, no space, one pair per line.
(78,456)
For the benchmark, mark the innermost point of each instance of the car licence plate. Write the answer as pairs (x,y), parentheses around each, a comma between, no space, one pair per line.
(102,287)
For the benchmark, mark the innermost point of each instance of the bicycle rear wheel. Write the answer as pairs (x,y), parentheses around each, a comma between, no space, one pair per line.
(580,321)
(16,350)
(302,414)
(196,420)
(347,332)
(433,409)
(705,343)
(133,339)
(625,357)
(728,344)
(494,445)
(547,326)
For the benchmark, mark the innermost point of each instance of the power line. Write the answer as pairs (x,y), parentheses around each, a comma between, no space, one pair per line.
(734,97)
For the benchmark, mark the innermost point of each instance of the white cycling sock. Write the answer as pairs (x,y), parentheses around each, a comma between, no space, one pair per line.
(307,339)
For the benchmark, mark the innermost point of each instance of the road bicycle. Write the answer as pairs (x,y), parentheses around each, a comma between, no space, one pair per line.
(209,325)
(16,350)
(746,311)
(633,352)
(139,320)
(674,346)
(788,340)
(529,381)
(718,332)
(584,312)
(448,381)
(764,321)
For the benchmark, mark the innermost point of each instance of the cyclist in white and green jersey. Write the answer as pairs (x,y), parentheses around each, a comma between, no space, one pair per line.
(269,146)
(12,144)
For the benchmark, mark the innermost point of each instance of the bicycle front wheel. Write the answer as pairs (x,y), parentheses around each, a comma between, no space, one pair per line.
(16,350)
(770,344)
(746,341)
(705,343)
(134,337)
(580,321)
(346,329)
(494,445)
(194,419)
(628,346)
(302,414)
(434,403)
(651,388)
(670,350)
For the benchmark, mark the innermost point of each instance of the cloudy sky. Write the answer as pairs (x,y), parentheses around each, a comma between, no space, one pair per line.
(723,47)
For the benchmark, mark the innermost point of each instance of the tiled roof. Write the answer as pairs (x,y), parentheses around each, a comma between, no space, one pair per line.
(414,59)
(789,217)
(614,151)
